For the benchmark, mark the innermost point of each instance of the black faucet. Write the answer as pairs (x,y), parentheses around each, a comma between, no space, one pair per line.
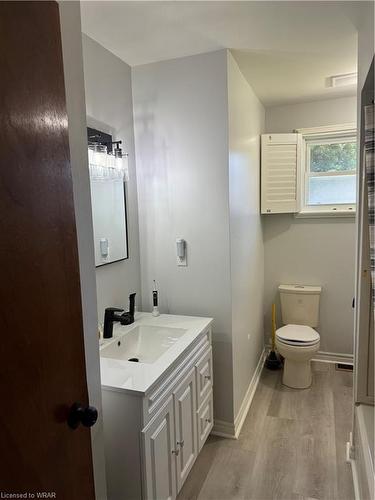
(127,318)
(110,317)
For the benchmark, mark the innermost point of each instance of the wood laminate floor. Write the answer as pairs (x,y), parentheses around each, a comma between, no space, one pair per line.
(291,447)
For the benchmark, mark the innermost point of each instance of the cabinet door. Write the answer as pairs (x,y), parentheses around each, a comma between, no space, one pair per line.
(281,158)
(204,377)
(186,427)
(159,455)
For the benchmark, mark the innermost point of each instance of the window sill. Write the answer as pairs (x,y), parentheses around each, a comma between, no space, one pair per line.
(330,214)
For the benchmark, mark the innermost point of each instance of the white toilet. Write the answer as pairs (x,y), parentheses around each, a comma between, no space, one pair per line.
(297,341)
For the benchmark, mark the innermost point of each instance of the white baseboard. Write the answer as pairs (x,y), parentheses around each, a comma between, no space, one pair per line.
(232,430)
(351,460)
(244,408)
(328,357)
(333,357)
(223,429)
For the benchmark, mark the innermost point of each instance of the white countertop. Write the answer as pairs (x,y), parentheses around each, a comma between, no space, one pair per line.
(138,378)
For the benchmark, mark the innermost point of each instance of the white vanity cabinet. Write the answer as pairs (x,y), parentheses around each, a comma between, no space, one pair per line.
(185,417)
(153,439)
(159,451)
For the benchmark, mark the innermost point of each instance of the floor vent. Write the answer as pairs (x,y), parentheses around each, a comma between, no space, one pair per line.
(344,367)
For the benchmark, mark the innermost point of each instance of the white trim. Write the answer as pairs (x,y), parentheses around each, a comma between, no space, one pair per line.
(328,129)
(224,429)
(246,403)
(329,357)
(333,357)
(350,459)
(355,479)
(232,430)
(323,213)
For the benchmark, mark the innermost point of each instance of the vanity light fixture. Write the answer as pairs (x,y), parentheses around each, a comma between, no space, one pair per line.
(106,162)
(121,160)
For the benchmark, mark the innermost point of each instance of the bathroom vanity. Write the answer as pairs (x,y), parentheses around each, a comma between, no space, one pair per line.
(157,410)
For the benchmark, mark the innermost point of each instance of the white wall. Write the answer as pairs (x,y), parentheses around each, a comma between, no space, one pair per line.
(313,251)
(70,21)
(109,107)
(181,131)
(246,123)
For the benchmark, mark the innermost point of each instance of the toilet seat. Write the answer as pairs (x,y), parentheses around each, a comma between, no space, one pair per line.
(297,335)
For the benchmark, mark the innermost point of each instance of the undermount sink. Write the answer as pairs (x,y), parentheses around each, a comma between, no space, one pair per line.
(143,343)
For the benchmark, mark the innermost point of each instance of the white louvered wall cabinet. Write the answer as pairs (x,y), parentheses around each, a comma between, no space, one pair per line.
(280,173)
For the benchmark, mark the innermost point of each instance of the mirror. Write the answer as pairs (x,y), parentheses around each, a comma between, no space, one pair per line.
(108,198)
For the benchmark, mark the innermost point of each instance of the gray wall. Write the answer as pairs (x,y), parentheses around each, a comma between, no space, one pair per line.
(197,126)
(181,131)
(281,119)
(246,123)
(109,107)
(313,251)
(70,21)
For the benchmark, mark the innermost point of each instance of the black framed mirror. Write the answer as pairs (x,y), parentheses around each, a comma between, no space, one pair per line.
(108,200)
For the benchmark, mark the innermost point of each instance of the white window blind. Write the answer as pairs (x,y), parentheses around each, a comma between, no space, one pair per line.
(281,156)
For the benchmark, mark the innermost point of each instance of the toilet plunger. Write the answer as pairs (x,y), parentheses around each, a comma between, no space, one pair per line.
(273,361)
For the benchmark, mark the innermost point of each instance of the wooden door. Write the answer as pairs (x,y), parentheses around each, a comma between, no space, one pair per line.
(42,359)
(186,427)
(159,456)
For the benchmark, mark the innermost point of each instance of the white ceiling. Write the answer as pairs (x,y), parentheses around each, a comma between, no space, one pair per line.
(285,49)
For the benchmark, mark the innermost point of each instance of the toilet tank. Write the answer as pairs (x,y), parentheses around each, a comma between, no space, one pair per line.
(300,304)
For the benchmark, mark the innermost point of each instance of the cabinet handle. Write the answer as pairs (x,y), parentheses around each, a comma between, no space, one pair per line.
(207,377)
(175,452)
(180,443)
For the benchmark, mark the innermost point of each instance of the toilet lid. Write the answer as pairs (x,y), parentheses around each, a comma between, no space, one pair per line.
(297,335)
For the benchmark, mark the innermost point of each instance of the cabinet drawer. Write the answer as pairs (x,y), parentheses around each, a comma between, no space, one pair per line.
(205,420)
(203,372)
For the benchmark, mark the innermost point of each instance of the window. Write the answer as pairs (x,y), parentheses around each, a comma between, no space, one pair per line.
(328,180)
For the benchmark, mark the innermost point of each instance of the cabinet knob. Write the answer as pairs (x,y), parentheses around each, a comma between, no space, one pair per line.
(208,420)
(175,452)
(207,377)
(180,443)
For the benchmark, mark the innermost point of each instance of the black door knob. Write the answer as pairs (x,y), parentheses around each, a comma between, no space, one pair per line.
(85,415)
